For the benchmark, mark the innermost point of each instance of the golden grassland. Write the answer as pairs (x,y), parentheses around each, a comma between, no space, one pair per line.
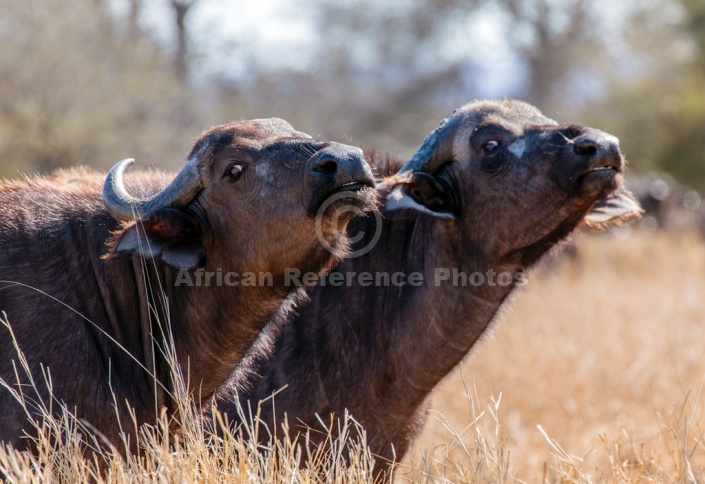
(606,353)
(592,373)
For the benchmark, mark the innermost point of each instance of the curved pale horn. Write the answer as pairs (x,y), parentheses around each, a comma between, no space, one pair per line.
(123,206)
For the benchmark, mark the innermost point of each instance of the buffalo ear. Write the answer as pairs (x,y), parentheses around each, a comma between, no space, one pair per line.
(422,193)
(167,234)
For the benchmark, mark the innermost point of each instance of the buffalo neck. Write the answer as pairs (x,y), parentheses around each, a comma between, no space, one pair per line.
(373,348)
(415,334)
(214,322)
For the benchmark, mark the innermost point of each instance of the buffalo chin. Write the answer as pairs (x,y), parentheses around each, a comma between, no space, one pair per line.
(599,183)
(341,201)
(364,198)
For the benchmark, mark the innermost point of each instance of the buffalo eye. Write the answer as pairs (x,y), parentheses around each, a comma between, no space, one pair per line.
(490,146)
(235,172)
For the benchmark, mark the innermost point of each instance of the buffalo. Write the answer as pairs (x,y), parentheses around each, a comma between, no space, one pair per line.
(98,290)
(487,194)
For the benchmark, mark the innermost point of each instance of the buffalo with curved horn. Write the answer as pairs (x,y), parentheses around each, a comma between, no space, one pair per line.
(98,298)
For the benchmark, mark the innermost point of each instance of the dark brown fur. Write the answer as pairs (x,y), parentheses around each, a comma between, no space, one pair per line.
(378,352)
(99,324)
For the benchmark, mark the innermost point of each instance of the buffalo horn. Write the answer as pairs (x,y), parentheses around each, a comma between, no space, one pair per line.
(124,206)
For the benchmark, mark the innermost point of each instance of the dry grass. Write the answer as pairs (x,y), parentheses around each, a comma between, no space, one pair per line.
(599,363)
(592,374)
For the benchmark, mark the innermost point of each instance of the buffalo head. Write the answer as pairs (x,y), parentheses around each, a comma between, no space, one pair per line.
(246,199)
(511,179)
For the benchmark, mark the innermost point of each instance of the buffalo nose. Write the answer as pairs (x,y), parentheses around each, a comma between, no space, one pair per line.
(325,164)
(336,169)
(341,164)
(595,144)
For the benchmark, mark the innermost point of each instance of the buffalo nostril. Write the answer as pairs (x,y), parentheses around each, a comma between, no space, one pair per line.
(325,165)
(585,147)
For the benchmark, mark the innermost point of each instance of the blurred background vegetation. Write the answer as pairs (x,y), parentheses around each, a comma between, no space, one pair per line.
(93,81)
